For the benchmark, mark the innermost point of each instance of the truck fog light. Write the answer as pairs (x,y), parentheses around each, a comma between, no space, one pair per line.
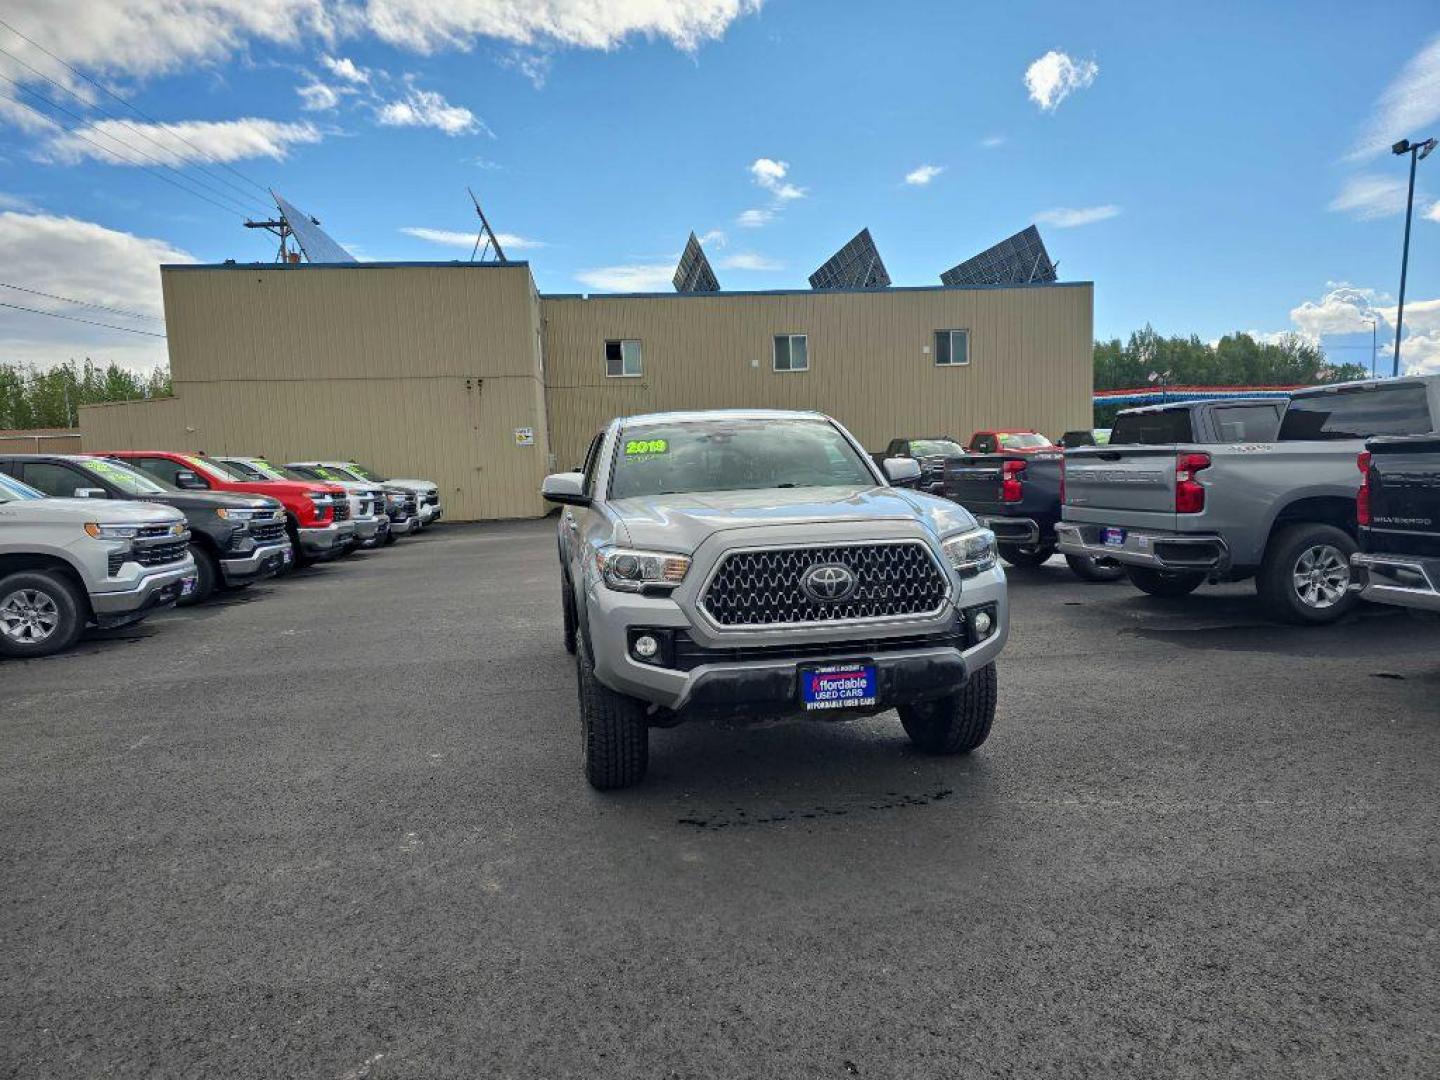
(645,647)
(983,624)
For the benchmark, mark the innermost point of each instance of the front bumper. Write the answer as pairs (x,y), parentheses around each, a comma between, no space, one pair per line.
(1146,547)
(1397,579)
(265,561)
(321,540)
(371,531)
(159,589)
(754,675)
(429,514)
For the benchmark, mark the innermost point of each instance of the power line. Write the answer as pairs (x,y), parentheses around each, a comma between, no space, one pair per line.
(119,157)
(133,108)
(236,205)
(111,116)
(81,303)
(87,322)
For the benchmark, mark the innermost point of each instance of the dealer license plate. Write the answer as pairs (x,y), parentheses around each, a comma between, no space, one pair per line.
(187,585)
(1113,537)
(287,557)
(838,686)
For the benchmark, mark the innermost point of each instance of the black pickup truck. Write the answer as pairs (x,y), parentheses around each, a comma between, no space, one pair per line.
(931,453)
(236,539)
(1398,509)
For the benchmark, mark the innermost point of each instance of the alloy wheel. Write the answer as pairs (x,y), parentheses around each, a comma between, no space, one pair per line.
(1322,575)
(28,616)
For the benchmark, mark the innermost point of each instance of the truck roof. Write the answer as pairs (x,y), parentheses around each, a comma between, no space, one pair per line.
(1175,406)
(696,415)
(1403,380)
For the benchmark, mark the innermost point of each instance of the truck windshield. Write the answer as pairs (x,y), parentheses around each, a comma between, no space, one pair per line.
(1152,428)
(1358,413)
(359,472)
(1023,440)
(935,448)
(12,490)
(214,468)
(734,455)
(255,470)
(123,477)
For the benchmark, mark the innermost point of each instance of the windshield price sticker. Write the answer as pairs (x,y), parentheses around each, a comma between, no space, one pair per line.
(638,447)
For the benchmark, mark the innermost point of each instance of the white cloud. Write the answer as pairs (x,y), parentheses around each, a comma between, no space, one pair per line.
(1055,76)
(429,25)
(637,277)
(1347,309)
(1344,309)
(535,66)
(770,175)
(85,261)
(10,201)
(923,174)
(1407,106)
(317,97)
(450,238)
(748,260)
(754,219)
(1433,214)
(342,67)
(990,142)
(426,108)
(1063,217)
(1370,196)
(182,142)
(714,236)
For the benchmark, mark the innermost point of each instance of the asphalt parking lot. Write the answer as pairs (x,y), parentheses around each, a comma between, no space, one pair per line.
(336,827)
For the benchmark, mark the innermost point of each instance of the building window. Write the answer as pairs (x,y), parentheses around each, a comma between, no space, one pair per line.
(622,359)
(792,353)
(952,347)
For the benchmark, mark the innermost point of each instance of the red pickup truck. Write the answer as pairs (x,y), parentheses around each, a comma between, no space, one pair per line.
(317,515)
(1010,440)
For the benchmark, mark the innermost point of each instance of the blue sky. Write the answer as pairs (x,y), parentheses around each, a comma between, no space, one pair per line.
(1209,174)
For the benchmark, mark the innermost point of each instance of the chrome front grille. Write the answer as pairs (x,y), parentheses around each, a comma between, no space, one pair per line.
(342,508)
(763,587)
(267,532)
(160,554)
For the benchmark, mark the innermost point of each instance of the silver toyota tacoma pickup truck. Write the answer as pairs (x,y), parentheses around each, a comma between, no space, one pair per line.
(1178,513)
(752,565)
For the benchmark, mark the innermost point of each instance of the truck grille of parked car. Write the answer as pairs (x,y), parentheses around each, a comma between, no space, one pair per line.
(267,532)
(688,655)
(763,588)
(342,508)
(432,498)
(160,554)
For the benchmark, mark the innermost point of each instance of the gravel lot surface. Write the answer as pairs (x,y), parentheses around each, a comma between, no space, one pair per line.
(335,826)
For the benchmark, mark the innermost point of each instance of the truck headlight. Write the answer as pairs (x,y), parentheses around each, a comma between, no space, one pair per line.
(970,552)
(633,571)
(111,532)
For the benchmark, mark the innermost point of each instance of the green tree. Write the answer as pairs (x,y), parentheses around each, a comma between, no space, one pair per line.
(32,398)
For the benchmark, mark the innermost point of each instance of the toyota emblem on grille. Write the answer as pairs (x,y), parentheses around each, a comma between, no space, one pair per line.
(828,583)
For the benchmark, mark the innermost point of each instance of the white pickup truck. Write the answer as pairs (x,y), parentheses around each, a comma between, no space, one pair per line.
(66,563)
(1177,513)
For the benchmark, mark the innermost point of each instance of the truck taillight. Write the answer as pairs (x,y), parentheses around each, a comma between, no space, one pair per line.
(1362,497)
(1189,493)
(1012,482)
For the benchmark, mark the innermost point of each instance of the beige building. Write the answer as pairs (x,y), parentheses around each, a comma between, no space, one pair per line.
(464,374)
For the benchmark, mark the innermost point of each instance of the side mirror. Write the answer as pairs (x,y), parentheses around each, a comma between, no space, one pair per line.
(91,493)
(902,471)
(189,481)
(565,487)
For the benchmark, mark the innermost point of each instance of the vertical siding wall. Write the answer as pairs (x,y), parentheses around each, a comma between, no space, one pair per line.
(419,371)
(1030,359)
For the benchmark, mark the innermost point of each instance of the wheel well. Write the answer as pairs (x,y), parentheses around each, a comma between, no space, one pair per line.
(1326,509)
(10,564)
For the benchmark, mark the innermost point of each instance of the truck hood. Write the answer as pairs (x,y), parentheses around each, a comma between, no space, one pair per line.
(107,511)
(211,500)
(426,486)
(682,522)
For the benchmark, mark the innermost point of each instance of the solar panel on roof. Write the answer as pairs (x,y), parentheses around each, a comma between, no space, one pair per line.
(694,273)
(1017,260)
(313,240)
(857,265)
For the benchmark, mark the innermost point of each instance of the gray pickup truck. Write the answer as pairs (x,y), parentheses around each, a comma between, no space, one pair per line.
(1179,513)
(750,565)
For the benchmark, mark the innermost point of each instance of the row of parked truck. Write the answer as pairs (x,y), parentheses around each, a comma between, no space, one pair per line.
(1324,498)
(104,539)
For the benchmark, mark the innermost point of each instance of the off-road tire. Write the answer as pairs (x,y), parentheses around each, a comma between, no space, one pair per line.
(1164,583)
(958,723)
(1026,555)
(1095,568)
(302,558)
(567,613)
(1276,585)
(69,607)
(390,537)
(207,577)
(615,737)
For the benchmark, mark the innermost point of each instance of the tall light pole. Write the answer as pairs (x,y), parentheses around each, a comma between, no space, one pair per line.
(1418,152)
(1374,340)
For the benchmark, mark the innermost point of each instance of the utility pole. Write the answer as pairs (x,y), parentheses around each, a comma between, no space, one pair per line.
(1418,152)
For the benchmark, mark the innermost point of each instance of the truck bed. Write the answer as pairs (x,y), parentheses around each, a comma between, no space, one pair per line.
(975,481)
(1404,496)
